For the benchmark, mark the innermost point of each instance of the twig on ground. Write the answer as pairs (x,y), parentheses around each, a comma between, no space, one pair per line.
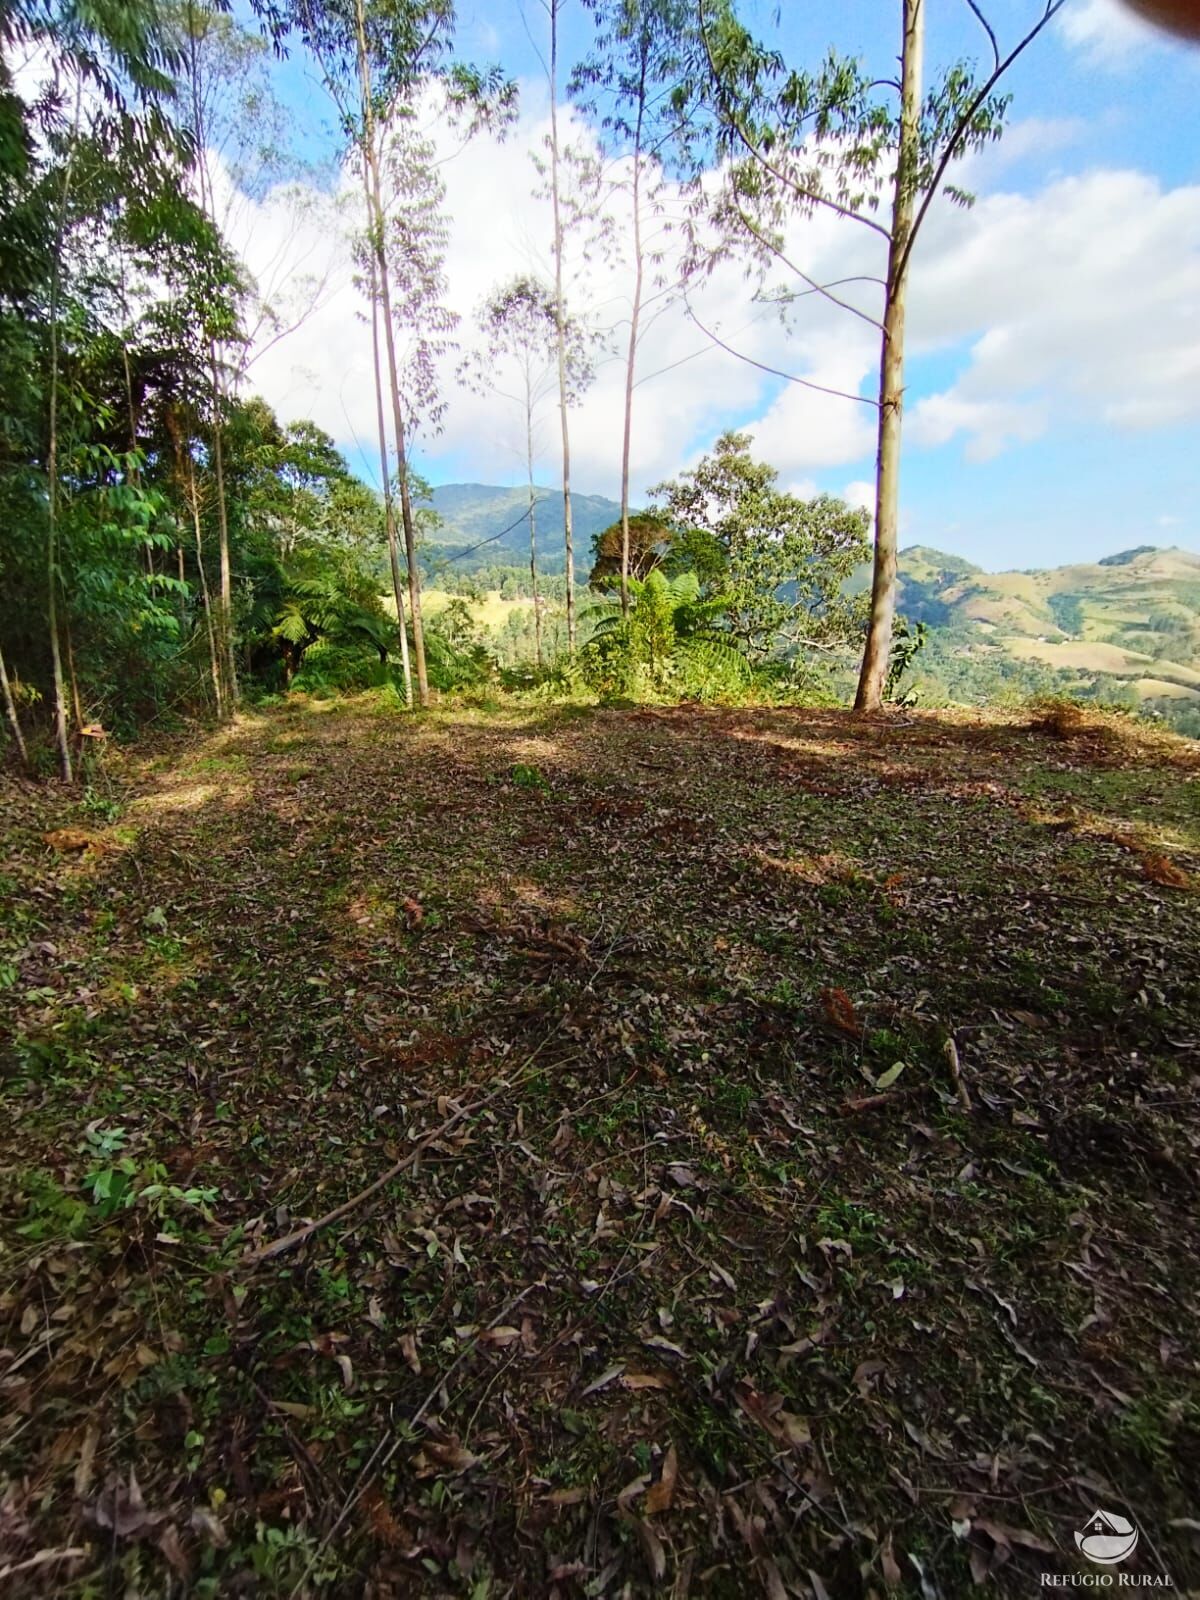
(43,1559)
(955,1065)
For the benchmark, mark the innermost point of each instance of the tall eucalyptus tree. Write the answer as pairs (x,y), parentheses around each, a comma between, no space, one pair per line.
(792,143)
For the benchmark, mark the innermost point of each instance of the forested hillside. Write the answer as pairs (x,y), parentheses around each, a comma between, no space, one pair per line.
(481,525)
(1125,629)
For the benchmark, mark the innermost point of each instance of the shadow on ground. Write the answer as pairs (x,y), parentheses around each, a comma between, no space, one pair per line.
(821,1216)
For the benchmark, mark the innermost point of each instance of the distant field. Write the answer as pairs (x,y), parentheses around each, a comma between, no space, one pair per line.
(1095,656)
(1159,689)
(491,612)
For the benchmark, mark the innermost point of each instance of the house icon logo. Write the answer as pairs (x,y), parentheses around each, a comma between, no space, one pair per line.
(1107,1538)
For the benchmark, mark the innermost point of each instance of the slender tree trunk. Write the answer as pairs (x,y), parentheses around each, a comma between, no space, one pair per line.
(214,656)
(873,676)
(225,567)
(533,572)
(10,712)
(72,677)
(227,700)
(378,221)
(560,329)
(634,320)
(389,506)
(52,486)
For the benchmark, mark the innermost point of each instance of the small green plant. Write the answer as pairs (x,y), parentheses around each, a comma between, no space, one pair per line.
(116,1181)
(527,777)
(100,806)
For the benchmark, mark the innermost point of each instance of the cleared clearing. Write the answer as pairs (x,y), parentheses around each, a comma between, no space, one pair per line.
(706,1264)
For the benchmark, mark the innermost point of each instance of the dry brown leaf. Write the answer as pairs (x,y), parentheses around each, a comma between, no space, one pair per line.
(795,1429)
(69,839)
(837,1009)
(652,1549)
(210,1527)
(888,1565)
(661,1495)
(447,1455)
(122,1509)
(603,1381)
(566,1497)
(1163,871)
(500,1337)
(1003,1534)
(87,1457)
(168,1542)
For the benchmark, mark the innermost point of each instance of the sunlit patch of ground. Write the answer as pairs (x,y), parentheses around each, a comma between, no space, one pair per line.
(788,1134)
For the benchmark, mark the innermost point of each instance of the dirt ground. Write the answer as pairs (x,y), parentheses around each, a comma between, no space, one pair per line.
(788,1126)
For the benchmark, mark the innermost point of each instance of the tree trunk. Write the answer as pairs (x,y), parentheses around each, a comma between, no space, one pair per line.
(537,610)
(213,653)
(389,507)
(634,319)
(10,712)
(72,678)
(873,676)
(52,486)
(560,329)
(226,571)
(226,700)
(379,245)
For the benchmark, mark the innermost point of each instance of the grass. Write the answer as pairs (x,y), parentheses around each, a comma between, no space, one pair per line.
(681,1302)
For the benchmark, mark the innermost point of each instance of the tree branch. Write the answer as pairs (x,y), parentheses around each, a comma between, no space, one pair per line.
(964,122)
(988,29)
(813,286)
(797,189)
(775,372)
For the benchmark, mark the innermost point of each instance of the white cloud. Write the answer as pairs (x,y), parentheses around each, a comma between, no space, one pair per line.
(1076,303)
(688,389)
(1109,33)
(1082,304)
(860,494)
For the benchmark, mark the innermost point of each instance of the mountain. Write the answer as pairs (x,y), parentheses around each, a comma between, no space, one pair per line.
(488,515)
(1130,622)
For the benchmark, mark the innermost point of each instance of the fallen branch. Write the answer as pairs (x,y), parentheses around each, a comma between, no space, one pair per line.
(279,1247)
(43,1559)
(960,1088)
(869,1102)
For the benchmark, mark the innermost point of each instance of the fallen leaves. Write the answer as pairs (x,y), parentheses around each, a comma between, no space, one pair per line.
(598,1064)
(68,841)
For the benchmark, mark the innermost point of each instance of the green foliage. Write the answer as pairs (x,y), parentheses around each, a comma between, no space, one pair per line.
(775,566)
(667,646)
(1067,611)
(455,655)
(907,644)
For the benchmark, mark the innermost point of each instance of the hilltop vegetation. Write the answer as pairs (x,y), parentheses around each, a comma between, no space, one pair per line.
(1124,630)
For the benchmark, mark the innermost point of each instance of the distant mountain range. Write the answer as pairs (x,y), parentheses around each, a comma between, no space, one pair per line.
(493,518)
(1133,617)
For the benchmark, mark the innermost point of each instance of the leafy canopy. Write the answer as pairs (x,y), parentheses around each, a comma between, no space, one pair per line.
(780,563)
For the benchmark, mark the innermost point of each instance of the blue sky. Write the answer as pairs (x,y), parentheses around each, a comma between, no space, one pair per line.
(1053,404)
